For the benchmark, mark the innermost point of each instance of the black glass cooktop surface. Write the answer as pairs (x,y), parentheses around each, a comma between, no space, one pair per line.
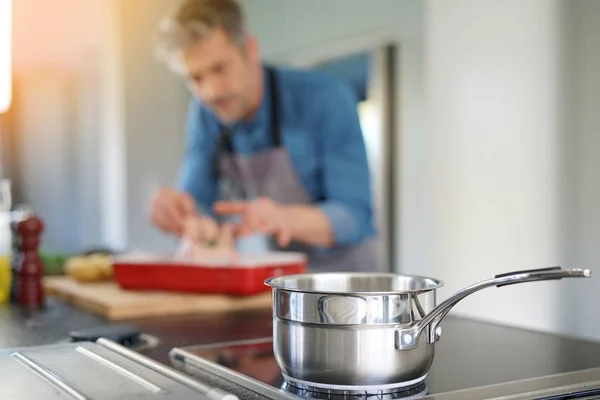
(470,354)
(255,359)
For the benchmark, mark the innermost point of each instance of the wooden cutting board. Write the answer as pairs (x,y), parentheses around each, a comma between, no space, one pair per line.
(108,300)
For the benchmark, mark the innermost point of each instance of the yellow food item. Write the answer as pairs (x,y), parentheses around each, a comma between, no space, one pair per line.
(92,268)
(103,263)
(5,277)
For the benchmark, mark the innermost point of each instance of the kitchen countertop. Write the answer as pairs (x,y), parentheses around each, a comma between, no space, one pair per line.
(470,353)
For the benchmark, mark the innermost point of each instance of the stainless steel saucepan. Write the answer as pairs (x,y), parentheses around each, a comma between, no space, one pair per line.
(360,330)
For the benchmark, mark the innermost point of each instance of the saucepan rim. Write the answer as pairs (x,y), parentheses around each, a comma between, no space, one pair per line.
(276,282)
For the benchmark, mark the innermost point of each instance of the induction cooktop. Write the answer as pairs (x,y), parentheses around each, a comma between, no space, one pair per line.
(248,368)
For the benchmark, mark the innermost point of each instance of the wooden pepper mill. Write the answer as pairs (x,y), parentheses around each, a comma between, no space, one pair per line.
(29,271)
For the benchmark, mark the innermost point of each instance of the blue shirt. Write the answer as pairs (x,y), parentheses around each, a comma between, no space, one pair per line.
(319,127)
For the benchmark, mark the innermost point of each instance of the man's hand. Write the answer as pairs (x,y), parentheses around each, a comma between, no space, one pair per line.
(204,241)
(202,229)
(169,209)
(261,215)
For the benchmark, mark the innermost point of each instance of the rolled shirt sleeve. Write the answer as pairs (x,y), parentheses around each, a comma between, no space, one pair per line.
(345,170)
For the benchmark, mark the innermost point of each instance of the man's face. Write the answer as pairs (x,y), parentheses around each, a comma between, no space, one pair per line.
(220,74)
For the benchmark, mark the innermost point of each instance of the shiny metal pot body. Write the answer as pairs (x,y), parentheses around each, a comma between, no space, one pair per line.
(361,330)
(340,355)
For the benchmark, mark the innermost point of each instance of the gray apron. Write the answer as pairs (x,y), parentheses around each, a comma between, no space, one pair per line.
(270,173)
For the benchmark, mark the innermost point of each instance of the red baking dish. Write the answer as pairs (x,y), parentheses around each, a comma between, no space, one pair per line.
(246,277)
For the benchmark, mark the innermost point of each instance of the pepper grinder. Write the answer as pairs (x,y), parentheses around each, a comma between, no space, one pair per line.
(29,270)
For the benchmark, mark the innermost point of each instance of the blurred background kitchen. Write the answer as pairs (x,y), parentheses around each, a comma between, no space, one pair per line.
(481,119)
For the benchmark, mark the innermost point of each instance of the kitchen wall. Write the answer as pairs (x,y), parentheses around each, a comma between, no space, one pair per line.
(581,143)
(54,141)
(511,144)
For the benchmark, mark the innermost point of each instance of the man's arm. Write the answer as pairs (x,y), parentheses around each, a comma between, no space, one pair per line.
(345,216)
(196,173)
(309,225)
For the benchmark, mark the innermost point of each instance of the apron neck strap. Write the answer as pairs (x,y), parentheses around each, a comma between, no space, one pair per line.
(275,106)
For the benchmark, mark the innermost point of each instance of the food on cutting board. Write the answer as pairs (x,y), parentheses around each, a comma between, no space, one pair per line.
(205,241)
(92,268)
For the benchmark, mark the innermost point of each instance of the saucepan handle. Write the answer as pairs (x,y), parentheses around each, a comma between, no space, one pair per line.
(514,277)
(408,337)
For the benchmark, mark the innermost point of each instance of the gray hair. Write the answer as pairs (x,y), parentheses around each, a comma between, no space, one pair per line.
(193,20)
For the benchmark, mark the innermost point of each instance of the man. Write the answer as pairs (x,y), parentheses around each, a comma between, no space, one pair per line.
(280,149)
